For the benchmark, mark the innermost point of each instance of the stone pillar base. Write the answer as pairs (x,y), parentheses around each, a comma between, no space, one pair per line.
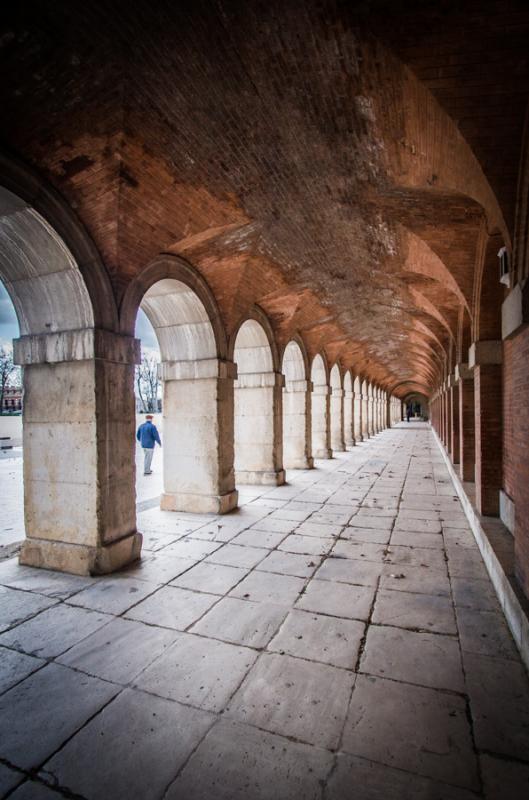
(261,477)
(199,503)
(80,559)
(327,453)
(305,463)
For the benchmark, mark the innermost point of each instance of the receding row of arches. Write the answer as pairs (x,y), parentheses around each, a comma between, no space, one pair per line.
(237,408)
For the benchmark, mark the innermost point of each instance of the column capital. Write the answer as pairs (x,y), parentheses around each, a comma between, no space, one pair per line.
(255,380)
(337,392)
(462,373)
(485,352)
(320,388)
(79,345)
(298,386)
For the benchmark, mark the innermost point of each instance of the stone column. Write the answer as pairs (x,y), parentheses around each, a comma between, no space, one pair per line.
(371,412)
(259,428)
(467,447)
(365,415)
(321,434)
(348,418)
(485,357)
(297,447)
(357,417)
(448,412)
(337,425)
(198,404)
(454,421)
(79,445)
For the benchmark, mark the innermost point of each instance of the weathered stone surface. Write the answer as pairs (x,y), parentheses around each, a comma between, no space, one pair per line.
(129,743)
(241,622)
(315,637)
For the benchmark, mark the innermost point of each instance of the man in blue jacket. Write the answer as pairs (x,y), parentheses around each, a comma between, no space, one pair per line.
(147,436)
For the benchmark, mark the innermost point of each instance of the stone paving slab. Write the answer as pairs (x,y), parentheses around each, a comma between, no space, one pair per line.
(255,698)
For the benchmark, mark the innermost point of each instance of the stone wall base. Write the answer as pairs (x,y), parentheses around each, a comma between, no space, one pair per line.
(199,503)
(79,559)
(261,477)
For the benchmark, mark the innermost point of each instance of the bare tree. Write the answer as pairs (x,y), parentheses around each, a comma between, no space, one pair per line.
(147,383)
(8,372)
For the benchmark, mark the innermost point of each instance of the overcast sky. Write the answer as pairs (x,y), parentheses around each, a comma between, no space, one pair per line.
(9,325)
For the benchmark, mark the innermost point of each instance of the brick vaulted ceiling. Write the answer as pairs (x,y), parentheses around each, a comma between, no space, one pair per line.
(336,164)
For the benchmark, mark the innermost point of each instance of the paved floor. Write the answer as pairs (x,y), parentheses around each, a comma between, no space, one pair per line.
(337,638)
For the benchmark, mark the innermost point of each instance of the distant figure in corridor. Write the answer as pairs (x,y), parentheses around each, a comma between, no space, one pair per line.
(408,412)
(147,436)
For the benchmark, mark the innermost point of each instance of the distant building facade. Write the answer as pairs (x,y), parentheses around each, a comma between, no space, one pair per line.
(12,399)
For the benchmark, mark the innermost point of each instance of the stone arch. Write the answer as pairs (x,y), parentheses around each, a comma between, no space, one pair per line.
(170,288)
(348,409)
(258,402)
(197,384)
(320,422)
(297,445)
(47,258)
(71,353)
(337,409)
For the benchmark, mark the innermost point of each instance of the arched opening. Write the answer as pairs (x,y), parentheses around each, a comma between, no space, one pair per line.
(348,410)
(320,424)
(148,401)
(416,407)
(258,402)
(337,424)
(73,467)
(297,445)
(12,530)
(197,387)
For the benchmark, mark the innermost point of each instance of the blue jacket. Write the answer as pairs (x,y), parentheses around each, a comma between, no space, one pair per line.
(148,434)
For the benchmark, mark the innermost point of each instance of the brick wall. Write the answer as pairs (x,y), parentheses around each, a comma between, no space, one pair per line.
(508,422)
(520,454)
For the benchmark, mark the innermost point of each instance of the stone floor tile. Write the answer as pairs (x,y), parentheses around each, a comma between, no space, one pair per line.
(233,555)
(267,587)
(14,667)
(17,606)
(35,720)
(343,600)
(376,512)
(302,566)
(417,525)
(366,573)
(172,607)
(295,698)
(322,530)
(197,671)
(239,762)
(54,630)
(259,538)
(158,540)
(241,622)
(408,578)
(484,633)
(9,778)
(158,568)
(456,537)
(381,523)
(190,548)
(409,539)
(212,578)
(332,640)
(33,790)
(41,581)
(370,551)
(426,659)
(415,611)
(274,525)
(129,745)
(113,595)
(415,556)
(418,513)
(118,651)
(374,781)
(369,535)
(504,779)
(218,531)
(475,594)
(423,731)
(308,545)
(466,563)
(499,704)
